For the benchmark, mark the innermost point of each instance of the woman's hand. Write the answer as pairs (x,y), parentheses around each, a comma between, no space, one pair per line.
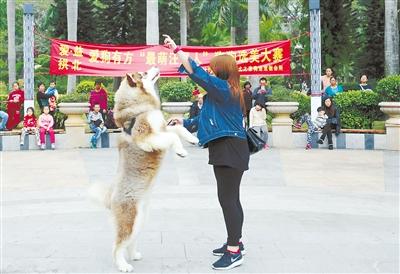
(169,42)
(176,121)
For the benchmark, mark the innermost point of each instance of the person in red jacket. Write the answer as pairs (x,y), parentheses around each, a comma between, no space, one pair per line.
(14,103)
(98,96)
(30,125)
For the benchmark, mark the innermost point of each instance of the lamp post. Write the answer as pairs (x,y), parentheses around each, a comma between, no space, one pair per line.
(28,56)
(315,37)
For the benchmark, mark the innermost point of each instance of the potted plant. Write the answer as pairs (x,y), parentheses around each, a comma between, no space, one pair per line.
(175,97)
(74,105)
(281,104)
(389,91)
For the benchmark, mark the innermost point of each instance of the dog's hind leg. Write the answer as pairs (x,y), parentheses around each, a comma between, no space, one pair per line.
(125,217)
(137,227)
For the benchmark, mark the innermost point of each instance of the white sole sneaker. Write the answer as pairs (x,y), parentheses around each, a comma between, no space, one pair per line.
(221,254)
(233,265)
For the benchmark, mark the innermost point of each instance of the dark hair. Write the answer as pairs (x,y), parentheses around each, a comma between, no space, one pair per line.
(98,81)
(263,78)
(46,106)
(259,103)
(96,104)
(333,78)
(320,108)
(246,83)
(40,83)
(53,81)
(15,82)
(33,111)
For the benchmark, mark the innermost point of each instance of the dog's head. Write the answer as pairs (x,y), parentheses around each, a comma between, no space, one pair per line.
(145,80)
(136,95)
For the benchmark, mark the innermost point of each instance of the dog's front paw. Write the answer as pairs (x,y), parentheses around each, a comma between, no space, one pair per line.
(181,152)
(136,256)
(125,267)
(193,140)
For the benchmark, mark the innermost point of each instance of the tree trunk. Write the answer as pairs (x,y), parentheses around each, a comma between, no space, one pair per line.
(391,37)
(152,30)
(11,41)
(72,22)
(183,21)
(253,29)
(233,36)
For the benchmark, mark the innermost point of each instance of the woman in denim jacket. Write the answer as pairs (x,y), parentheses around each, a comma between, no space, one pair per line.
(220,128)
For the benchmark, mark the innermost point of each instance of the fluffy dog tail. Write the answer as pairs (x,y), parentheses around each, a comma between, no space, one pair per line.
(100,194)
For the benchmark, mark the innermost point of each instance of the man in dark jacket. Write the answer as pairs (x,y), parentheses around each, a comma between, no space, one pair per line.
(261,92)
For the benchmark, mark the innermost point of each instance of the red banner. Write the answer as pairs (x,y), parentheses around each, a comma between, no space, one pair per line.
(75,58)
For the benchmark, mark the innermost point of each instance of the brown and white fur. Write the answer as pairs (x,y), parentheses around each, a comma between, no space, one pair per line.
(140,156)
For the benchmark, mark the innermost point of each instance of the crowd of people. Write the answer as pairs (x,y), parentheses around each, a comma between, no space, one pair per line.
(98,116)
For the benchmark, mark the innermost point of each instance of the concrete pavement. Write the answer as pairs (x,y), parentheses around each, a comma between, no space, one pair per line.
(315,211)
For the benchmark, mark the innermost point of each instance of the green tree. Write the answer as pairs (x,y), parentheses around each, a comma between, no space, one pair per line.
(371,39)
(335,34)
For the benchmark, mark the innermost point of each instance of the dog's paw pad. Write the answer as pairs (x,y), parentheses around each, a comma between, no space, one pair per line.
(137,256)
(182,153)
(125,268)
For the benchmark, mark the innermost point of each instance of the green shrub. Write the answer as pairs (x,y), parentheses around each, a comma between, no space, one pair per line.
(3,104)
(59,120)
(304,104)
(281,94)
(176,91)
(85,86)
(378,125)
(358,109)
(110,99)
(388,89)
(74,97)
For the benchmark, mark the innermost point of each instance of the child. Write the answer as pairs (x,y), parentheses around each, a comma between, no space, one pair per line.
(96,124)
(46,123)
(258,115)
(313,126)
(53,93)
(30,125)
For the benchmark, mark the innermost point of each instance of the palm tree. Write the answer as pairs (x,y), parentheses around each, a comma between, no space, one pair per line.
(391,37)
(11,41)
(227,12)
(253,28)
(72,25)
(152,30)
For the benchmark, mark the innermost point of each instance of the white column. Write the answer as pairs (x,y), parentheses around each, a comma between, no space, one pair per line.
(315,40)
(28,56)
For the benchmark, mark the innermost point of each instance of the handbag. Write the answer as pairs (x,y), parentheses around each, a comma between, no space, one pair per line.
(254,141)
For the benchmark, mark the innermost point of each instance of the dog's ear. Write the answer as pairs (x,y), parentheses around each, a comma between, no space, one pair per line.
(131,80)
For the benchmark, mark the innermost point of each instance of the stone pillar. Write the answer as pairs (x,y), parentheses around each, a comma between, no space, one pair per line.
(282,135)
(75,125)
(392,124)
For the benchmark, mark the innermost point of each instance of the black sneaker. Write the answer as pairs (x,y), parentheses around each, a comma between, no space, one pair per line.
(320,141)
(228,261)
(330,147)
(220,251)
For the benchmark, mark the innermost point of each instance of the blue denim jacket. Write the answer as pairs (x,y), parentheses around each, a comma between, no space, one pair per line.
(221,115)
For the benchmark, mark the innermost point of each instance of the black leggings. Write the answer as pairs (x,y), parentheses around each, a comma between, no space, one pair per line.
(228,183)
(327,131)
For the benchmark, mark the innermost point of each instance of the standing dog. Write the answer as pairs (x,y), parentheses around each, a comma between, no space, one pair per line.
(142,146)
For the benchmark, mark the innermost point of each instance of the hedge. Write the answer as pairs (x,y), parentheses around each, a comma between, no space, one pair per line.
(388,89)
(358,109)
(176,91)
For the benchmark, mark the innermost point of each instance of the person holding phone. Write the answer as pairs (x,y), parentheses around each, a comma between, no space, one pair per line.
(220,128)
